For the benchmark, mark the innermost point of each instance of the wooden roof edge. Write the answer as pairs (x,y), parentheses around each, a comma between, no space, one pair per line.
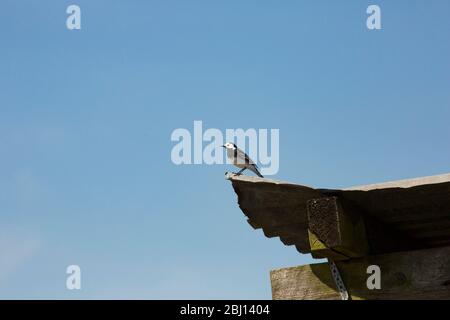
(305,209)
(254,179)
(404,183)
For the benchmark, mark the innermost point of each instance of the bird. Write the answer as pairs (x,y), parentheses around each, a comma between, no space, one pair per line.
(240,159)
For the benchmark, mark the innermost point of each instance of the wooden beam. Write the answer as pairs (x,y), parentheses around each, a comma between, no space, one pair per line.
(423,274)
(333,232)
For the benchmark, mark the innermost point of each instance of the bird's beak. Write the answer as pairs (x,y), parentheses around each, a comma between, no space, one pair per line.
(223,146)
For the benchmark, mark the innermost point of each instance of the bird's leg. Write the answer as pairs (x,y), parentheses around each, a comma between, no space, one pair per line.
(240,172)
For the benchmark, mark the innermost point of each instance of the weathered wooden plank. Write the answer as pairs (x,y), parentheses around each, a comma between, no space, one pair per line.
(278,207)
(400,207)
(422,274)
(333,231)
(398,216)
(405,183)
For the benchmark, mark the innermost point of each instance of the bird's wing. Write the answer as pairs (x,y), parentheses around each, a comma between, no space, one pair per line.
(242,157)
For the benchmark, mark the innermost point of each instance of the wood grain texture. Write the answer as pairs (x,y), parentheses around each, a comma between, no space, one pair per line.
(278,207)
(335,231)
(398,216)
(422,274)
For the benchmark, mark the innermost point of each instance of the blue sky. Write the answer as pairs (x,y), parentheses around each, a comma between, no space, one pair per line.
(86,117)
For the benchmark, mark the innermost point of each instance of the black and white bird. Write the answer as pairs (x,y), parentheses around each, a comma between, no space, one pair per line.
(240,159)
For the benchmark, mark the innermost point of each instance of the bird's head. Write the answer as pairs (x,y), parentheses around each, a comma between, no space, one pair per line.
(229,145)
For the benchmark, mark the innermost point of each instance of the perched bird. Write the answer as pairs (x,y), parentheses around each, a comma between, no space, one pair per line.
(240,159)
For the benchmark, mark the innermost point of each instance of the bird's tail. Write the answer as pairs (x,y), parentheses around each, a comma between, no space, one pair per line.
(254,168)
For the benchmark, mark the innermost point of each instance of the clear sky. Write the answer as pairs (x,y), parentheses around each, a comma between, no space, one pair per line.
(86,118)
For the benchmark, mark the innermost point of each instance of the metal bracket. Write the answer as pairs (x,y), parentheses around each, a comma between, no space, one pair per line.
(338,280)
